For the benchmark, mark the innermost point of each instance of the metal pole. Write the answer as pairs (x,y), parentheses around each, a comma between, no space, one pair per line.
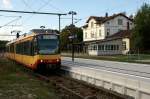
(72,19)
(59,34)
(72,41)
(73,36)
(59,23)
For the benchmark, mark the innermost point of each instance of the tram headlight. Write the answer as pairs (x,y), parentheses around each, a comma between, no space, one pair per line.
(57,60)
(41,61)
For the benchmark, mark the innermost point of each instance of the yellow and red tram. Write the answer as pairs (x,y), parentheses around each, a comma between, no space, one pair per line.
(37,50)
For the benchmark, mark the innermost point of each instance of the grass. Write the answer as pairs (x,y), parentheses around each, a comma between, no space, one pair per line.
(16,84)
(134,58)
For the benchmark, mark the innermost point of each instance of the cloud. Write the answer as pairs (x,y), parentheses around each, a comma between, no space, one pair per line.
(7,3)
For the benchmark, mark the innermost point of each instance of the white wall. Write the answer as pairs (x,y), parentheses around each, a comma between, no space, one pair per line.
(113,26)
(95,29)
(108,52)
(112,52)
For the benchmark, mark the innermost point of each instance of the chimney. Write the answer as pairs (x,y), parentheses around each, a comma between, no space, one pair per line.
(128,26)
(106,15)
(131,16)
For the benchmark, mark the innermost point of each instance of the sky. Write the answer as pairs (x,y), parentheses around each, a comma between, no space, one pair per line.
(83,8)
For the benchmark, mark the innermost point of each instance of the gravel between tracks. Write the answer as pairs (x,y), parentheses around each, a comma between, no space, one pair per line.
(69,88)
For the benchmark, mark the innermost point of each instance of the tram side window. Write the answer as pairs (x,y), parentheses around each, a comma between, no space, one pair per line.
(24,48)
(27,48)
(7,48)
(21,49)
(18,48)
(35,46)
(12,48)
(31,48)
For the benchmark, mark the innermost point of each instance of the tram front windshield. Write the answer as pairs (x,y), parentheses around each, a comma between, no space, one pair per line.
(48,44)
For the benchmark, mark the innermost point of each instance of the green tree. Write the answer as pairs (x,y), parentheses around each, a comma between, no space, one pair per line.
(2,45)
(141,32)
(68,31)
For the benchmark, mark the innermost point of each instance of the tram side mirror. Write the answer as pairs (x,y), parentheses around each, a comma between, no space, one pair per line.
(17,35)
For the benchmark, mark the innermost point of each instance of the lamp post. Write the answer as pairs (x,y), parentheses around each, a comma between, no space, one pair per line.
(72,13)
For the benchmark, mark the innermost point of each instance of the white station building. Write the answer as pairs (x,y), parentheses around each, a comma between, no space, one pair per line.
(109,35)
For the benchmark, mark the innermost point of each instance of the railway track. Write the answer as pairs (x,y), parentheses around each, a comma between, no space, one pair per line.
(69,88)
(72,89)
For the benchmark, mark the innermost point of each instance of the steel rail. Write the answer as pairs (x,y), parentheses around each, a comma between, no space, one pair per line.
(47,79)
(77,94)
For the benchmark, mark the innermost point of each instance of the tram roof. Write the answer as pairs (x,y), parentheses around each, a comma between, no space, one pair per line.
(41,31)
(34,32)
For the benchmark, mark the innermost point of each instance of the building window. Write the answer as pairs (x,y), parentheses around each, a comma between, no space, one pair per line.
(117,47)
(108,32)
(99,47)
(120,22)
(124,45)
(108,22)
(92,34)
(119,30)
(111,47)
(85,34)
(90,47)
(95,35)
(100,34)
(92,24)
(106,47)
(95,47)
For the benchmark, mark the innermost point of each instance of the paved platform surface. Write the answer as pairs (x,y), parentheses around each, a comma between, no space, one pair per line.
(137,71)
(125,78)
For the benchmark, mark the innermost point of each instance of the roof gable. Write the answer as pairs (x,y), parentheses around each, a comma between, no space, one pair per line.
(100,20)
(96,18)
